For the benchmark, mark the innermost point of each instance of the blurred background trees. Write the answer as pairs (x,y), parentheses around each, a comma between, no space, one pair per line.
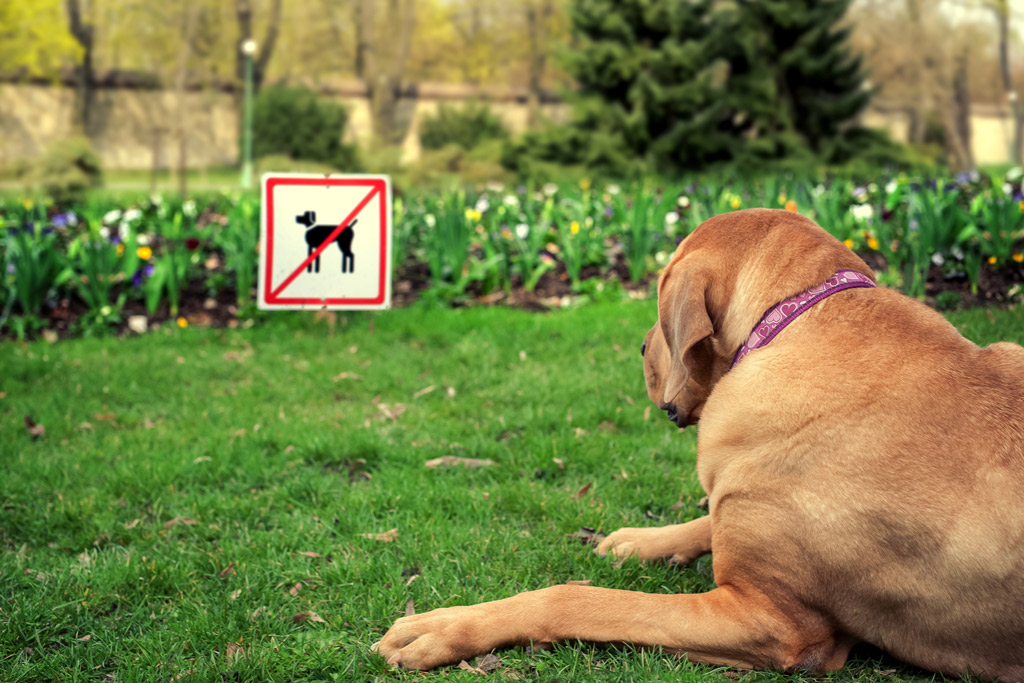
(663,85)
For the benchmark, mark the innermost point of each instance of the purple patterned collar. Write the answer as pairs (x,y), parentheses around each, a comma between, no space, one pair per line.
(783,313)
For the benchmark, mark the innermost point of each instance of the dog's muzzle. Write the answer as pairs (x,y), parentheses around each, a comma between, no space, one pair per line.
(673,416)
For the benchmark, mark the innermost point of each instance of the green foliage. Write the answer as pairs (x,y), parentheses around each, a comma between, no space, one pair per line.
(68,168)
(301,125)
(465,126)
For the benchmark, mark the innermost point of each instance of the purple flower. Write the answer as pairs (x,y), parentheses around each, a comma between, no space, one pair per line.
(115,239)
(137,278)
(608,211)
(149,269)
(521,189)
(60,220)
(963,177)
(1018,196)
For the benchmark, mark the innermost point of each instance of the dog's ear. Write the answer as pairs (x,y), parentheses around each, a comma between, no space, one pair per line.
(687,327)
(312,217)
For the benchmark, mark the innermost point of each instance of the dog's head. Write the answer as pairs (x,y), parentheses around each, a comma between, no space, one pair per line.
(307,219)
(718,284)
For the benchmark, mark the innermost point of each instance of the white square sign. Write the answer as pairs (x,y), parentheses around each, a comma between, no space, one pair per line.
(325,242)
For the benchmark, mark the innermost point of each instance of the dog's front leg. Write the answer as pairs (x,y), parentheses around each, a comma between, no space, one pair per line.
(724,626)
(678,543)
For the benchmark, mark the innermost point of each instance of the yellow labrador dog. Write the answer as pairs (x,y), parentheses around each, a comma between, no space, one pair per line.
(864,465)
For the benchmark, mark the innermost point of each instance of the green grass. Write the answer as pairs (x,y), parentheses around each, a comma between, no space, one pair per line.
(259,438)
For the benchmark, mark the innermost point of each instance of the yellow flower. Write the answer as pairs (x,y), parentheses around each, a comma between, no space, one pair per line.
(182,323)
(782,199)
(1022,205)
(27,204)
(735,203)
(992,260)
(848,243)
(506,233)
(873,243)
(120,250)
(145,253)
(1018,257)
(585,184)
(574,227)
(473,215)
(791,205)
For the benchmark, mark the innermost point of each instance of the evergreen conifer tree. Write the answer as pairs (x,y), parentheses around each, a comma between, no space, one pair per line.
(794,81)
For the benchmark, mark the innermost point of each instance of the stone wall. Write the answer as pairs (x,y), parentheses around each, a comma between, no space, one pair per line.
(134,124)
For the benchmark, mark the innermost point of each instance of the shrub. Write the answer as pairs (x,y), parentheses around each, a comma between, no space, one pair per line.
(67,169)
(299,124)
(466,127)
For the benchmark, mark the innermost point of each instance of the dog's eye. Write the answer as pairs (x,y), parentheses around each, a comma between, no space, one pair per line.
(643,348)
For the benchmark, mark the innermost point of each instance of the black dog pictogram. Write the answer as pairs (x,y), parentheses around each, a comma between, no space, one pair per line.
(316,234)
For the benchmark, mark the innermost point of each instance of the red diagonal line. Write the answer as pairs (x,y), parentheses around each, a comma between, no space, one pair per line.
(326,243)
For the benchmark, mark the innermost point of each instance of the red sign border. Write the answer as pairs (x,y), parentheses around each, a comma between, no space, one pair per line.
(376,185)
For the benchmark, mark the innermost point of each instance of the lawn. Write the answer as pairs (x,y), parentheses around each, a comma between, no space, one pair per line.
(219,504)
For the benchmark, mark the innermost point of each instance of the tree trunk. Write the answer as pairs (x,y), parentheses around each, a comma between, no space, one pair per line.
(180,89)
(382,71)
(536,25)
(1002,11)
(962,109)
(85,92)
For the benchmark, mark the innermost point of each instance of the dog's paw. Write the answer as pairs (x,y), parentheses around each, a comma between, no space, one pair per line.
(650,543)
(432,639)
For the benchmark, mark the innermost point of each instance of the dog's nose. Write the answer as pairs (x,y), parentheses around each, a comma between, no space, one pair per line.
(643,348)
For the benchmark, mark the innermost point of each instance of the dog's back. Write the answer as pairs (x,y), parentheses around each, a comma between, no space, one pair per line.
(872,460)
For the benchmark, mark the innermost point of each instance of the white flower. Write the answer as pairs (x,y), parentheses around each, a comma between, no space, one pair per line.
(612,189)
(684,202)
(671,218)
(124,230)
(957,252)
(131,215)
(105,232)
(189,208)
(1014,173)
(550,189)
(938,259)
(494,186)
(429,220)
(891,186)
(482,205)
(511,200)
(862,212)
(522,230)
(818,190)
(1007,188)
(156,200)
(112,216)
(142,239)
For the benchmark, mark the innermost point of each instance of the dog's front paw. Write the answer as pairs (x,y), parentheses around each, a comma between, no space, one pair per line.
(432,639)
(644,543)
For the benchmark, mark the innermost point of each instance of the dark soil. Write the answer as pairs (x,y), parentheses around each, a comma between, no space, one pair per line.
(198,306)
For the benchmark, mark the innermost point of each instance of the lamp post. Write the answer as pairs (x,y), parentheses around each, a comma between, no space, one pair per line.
(249,50)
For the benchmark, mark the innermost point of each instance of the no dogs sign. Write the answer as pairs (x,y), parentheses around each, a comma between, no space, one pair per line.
(325,242)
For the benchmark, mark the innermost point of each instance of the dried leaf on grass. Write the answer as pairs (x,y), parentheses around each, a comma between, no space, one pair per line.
(410,608)
(384,537)
(454,460)
(424,391)
(345,375)
(232,651)
(230,569)
(484,665)
(294,590)
(309,553)
(180,520)
(391,413)
(37,431)
(308,616)
(587,536)
(584,490)
(132,524)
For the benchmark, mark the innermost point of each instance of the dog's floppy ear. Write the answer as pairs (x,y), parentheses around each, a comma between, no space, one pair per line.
(686,325)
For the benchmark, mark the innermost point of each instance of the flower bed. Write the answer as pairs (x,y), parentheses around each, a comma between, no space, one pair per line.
(105,266)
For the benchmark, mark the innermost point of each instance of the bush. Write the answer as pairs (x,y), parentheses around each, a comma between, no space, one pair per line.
(297,123)
(466,127)
(68,168)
